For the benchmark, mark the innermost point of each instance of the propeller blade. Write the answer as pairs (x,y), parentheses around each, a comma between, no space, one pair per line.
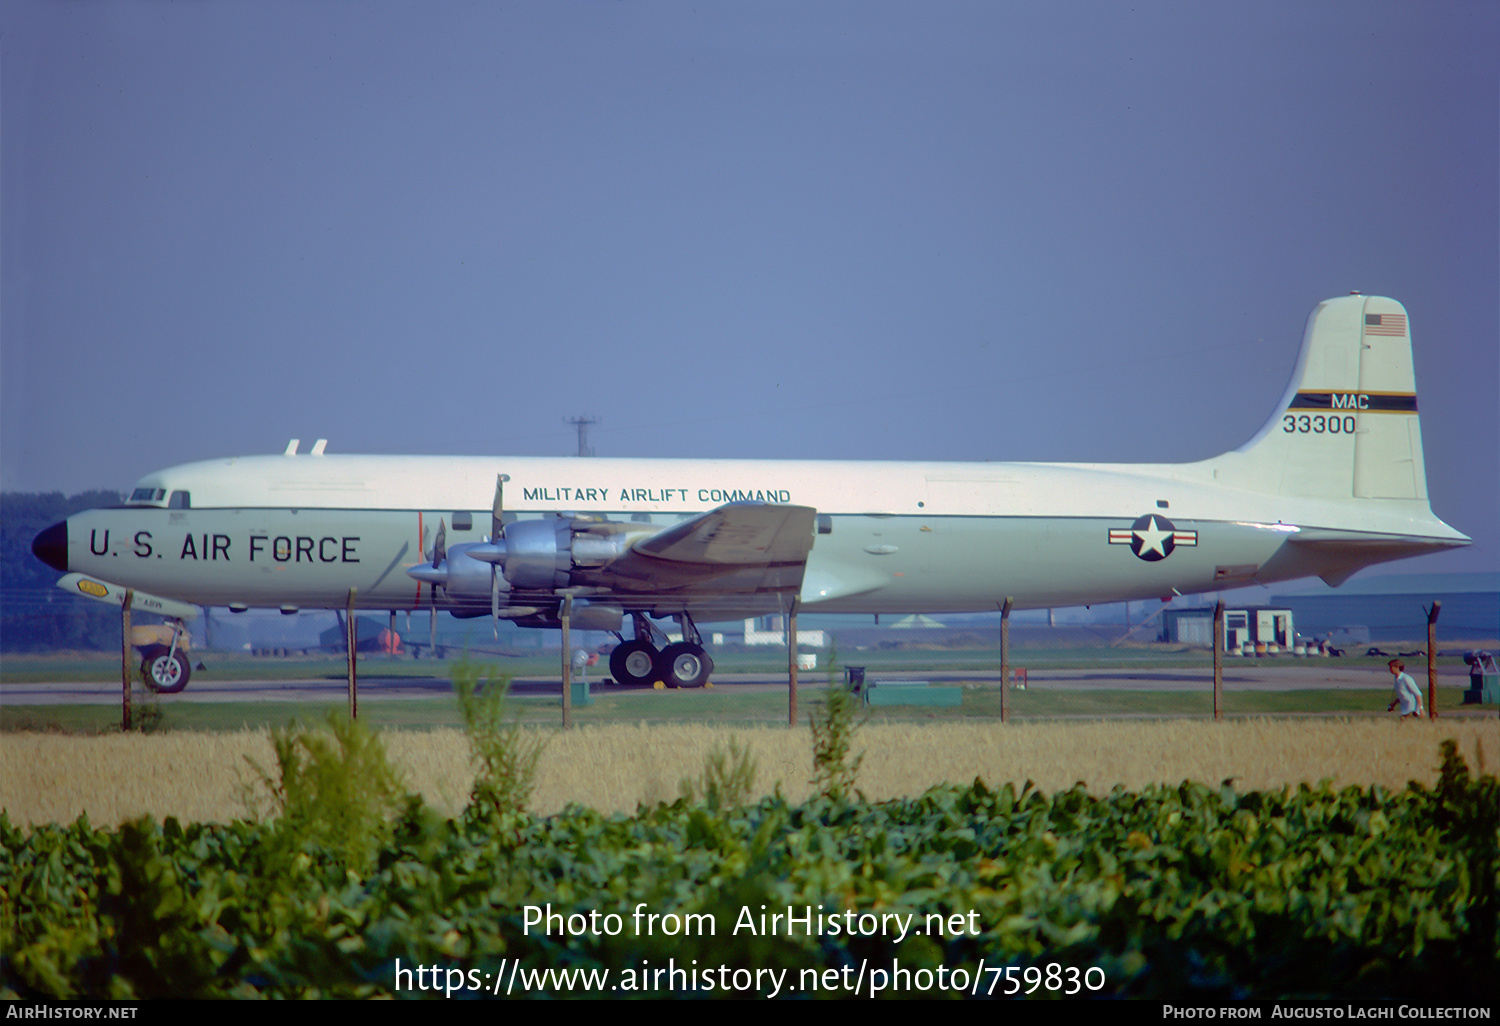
(495,598)
(439,554)
(497,529)
(497,510)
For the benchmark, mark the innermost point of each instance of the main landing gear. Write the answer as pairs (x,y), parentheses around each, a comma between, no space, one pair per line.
(650,658)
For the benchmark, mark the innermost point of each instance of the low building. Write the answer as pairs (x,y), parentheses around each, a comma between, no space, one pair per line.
(1244,626)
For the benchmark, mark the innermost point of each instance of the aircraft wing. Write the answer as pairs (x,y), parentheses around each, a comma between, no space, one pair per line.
(744,550)
(739,534)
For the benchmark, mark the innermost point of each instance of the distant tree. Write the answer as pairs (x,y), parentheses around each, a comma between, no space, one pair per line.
(34,615)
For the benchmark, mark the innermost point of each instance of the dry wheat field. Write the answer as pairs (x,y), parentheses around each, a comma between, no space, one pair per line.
(209,777)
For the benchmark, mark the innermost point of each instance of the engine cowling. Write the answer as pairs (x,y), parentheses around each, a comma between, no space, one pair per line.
(531,555)
(543,555)
(460,574)
(536,554)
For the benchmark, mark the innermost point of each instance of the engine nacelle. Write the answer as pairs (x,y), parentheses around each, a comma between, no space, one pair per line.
(543,555)
(469,578)
(531,555)
(538,554)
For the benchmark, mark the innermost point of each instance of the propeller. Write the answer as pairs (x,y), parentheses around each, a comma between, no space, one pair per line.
(497,528)
(439,553)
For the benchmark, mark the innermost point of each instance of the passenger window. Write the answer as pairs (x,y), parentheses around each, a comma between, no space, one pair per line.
(463,521)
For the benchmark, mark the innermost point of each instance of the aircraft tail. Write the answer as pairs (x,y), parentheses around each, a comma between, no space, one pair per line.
(1347,426)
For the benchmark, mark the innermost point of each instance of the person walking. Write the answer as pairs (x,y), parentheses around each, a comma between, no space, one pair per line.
(1408,695)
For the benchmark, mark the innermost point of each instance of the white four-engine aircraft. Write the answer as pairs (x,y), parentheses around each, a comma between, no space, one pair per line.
(1332,483)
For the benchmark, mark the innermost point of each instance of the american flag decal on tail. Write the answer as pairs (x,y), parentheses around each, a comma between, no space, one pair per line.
(1386,324)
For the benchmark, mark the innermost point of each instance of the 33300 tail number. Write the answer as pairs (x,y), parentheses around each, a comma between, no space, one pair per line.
(1317,424)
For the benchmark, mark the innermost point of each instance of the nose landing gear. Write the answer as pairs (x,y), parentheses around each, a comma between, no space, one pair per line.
(165,668)
(165,672)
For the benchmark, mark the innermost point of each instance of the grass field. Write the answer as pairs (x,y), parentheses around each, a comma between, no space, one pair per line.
(725,705)
(229,666)
(720,707)
(633,746)
(208,776)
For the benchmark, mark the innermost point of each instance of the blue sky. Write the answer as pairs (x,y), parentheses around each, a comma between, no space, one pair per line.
(948,231)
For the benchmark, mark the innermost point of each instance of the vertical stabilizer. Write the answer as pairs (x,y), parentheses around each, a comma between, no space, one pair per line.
(1347,426)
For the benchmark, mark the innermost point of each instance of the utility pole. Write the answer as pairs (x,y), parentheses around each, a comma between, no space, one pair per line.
(582,423)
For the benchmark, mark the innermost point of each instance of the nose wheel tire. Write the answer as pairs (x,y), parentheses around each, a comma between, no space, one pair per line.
(634,663)
(684,665)
(165,672)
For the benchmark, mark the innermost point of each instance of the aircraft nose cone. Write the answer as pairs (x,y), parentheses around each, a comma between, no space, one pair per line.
(51,546)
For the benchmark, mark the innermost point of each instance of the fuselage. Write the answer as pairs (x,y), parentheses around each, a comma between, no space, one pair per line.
(301,531)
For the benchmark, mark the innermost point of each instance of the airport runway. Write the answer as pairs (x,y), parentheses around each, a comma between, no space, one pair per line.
(1258,676)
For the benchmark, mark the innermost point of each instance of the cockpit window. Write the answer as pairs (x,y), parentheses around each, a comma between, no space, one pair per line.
(148,495)
(181,500)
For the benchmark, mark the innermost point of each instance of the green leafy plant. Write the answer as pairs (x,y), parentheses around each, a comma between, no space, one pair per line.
(1172,890)
(727,780)
(505,754)
(334,790)
(1468,811)
(146,716)
(834,726)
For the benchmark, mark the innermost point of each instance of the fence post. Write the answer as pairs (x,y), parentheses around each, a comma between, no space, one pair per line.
(1432,615)
(1219,660)
(791,665)
(566,622)
(1005,659)
(351,631)
(125,659)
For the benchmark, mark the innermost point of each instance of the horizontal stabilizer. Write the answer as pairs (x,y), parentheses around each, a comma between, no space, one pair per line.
(1335,556)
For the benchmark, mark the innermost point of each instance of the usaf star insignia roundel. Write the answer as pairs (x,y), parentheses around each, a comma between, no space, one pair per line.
(1152,537)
